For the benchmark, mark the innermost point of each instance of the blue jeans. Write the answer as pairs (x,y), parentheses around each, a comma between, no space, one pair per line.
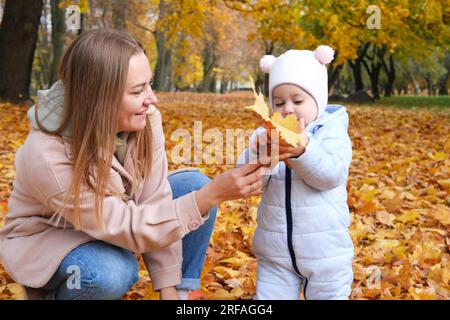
(98,270)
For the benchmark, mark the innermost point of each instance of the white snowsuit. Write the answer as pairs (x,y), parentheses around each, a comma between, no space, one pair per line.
(302,238)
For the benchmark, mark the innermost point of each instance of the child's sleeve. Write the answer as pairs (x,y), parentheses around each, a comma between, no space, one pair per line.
(324,165)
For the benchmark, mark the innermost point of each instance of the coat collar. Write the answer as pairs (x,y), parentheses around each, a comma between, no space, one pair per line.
(116,165)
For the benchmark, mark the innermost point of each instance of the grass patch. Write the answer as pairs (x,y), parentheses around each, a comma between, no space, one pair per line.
(439,102)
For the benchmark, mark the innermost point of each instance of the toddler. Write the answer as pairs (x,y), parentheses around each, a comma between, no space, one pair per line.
(302,239)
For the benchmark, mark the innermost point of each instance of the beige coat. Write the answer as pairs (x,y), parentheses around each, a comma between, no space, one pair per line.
(32,245)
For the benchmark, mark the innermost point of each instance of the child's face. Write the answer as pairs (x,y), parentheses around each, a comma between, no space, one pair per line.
(291,99)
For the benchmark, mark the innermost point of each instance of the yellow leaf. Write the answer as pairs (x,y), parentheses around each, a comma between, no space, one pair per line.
(143,273)
(431,190)
(400,252)
(387,194)
(290,122)
(385,218)
(386,243)
(438,156)
(408,195)
(444,182)
(421,294)
(260,107)
(237,292)
(287,127)
(14,291)
(234,283)
(225,271)
(253,213)
(370,195)
(248,231)
(446,275)
(235,262)
(442,214)
(409,216)
(441,232)
(220,294)
(435,273)
(424,252)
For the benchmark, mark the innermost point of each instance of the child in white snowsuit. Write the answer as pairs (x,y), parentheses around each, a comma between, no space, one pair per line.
(302,239)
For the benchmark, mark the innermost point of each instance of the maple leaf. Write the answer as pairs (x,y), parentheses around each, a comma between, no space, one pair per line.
(287,127)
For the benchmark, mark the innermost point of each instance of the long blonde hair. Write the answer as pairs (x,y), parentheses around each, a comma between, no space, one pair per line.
(94,71)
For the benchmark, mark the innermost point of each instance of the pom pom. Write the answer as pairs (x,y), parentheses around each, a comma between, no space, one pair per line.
(266,63)
(324,54)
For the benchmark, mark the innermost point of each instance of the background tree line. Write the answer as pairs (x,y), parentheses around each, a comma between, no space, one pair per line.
(214,45)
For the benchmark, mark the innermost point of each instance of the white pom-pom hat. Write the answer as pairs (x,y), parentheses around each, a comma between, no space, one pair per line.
(303,68)
(266,62)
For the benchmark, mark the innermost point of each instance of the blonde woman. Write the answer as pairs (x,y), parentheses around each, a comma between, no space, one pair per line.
(92,185)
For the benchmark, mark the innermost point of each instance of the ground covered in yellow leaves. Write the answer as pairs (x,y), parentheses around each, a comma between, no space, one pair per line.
(398,193)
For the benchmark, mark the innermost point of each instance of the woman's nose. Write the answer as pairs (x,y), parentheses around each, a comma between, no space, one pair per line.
(151,98)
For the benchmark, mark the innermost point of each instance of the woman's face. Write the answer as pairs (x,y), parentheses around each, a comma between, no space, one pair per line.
(138,98)
(291,99)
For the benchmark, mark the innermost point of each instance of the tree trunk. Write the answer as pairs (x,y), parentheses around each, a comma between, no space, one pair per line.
(429,85)
(58,32)
(18,35)
(333,72)
(268,45)
(80,31)
(224,86)
(390,73)
(357,67)
(374,69)
(260,83)
(443,90)
(333,75)
(357,74)
(163,70)
(414,81)
(209,60)
(119,14)
(374,78)
(213,85)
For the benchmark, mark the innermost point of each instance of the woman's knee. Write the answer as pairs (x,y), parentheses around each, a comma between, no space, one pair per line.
(185,182)
(107,276)
(117,276)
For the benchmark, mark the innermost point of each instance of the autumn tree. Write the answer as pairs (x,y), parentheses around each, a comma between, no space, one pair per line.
(344,26)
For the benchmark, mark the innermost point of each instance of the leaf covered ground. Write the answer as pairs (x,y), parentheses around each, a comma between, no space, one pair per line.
(398,193)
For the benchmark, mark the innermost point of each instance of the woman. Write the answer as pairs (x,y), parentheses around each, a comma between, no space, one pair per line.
(92,184)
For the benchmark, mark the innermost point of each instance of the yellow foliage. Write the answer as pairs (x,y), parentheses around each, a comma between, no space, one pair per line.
(397,194)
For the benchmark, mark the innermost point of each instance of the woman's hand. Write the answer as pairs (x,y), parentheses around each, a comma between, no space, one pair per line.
(169,293)
(233,184)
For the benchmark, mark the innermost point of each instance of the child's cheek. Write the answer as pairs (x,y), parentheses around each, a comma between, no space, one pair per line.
(299,114)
